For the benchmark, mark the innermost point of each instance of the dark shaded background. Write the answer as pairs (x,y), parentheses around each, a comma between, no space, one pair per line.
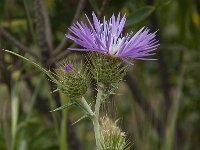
(159,100)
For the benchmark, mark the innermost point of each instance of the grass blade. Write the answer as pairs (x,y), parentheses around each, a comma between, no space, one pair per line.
(14,112)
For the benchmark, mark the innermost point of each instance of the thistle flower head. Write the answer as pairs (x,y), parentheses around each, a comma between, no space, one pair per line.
(112,137)
(106,37)
(72,79)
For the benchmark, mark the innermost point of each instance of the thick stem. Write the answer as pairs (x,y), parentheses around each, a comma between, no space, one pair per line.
(96,116)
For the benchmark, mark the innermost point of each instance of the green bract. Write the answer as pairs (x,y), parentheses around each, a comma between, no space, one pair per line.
(106,68)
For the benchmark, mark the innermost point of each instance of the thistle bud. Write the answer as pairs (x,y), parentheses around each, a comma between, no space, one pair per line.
(107,69)
(112,137)
(72,79)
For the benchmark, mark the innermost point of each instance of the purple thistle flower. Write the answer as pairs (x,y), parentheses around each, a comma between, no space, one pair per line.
(68,67)
(106,37)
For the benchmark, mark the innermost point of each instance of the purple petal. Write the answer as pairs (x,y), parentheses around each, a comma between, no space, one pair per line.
(106,37)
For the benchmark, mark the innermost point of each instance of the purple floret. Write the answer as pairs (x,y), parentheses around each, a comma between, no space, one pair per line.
(68,67)
(106,37)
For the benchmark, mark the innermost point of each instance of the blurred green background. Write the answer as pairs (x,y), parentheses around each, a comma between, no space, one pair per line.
(159,101)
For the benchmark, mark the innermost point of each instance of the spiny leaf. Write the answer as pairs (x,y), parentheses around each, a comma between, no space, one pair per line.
(63,107)
(83,117)
(56,90)
(82,104)
(48,73)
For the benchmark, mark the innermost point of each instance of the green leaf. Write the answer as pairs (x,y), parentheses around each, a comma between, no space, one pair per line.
(63,107)
(14,112)
(48,73)
(82,104)
(85,106)
(13,23)
(139,15)
(83,117)
(164,3)
(34,96)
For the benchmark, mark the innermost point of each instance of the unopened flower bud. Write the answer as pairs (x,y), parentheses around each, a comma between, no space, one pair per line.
(112,137)
(72,79)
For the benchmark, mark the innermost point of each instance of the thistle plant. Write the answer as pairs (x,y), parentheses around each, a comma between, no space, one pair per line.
(110,55)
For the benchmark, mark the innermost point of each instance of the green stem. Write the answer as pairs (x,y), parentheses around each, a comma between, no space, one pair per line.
(96,116)
(63,130)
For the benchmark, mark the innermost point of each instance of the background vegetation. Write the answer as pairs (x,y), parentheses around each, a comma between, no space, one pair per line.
(159,100)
